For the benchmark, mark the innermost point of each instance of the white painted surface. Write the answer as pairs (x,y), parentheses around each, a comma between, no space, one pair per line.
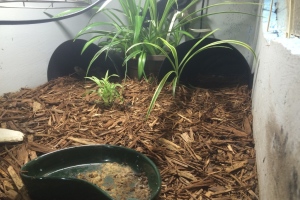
(276,114)
(25,50)
(234,26)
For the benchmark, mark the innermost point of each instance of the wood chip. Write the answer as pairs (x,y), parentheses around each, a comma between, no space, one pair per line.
(81,141)
(200,140)
(17,180)
(12,195)
(170,145)
(236,166)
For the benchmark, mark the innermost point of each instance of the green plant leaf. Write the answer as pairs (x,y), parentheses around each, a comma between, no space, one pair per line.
(103,49)
(106,90)
(157,92)
(88,43)
(117,21)
(173,51)
(155,46)
(137,28)
(132,55)
(67,12)
(141,64)
(93,25)
(174,84)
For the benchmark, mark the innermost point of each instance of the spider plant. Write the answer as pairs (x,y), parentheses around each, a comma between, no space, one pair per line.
(107,90)
(179,65)
(136,28)
(144,22)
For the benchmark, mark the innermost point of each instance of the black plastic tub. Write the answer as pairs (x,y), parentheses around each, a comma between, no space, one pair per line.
(51,176)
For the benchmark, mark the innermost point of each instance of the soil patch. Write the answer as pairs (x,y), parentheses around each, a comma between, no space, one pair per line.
(201,139)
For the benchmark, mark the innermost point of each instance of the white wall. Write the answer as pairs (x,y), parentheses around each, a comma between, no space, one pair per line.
(234,26)
(276,112)
(25,50)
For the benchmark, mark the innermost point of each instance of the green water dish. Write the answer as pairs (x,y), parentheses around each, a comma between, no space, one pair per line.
(54,176)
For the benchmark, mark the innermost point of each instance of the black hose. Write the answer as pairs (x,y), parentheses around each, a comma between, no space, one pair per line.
(38,21)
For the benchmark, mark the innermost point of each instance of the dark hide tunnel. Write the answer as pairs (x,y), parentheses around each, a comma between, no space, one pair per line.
(214,67)
(68,55)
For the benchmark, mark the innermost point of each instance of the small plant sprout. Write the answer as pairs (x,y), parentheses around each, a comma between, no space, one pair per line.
(107,90)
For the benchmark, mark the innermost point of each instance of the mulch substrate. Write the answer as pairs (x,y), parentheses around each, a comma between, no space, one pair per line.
(201,139)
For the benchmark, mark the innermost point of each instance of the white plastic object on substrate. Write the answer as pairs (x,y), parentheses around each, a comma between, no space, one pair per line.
(7,135)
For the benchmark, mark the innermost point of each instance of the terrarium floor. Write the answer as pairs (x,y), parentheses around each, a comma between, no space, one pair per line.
(201,140)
